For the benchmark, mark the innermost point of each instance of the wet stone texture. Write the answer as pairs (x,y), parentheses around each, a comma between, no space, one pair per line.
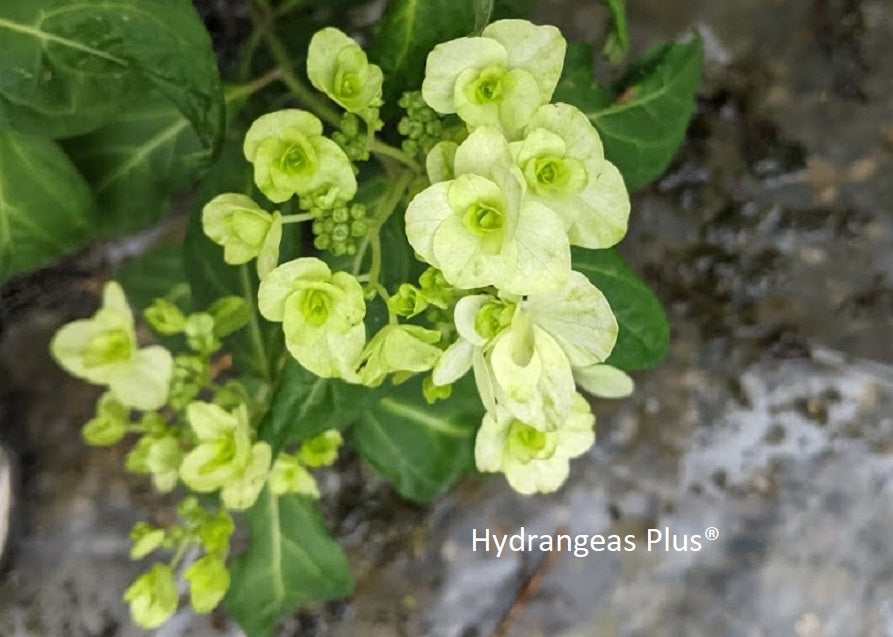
(770,241)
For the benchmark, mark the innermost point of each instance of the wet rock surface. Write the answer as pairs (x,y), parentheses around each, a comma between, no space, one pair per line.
(770,242)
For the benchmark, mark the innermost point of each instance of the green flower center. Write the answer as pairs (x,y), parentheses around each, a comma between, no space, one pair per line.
(224,454)
(482,218)
(315,306)
(298,156)
(110,346)
(493,317)
(490,87)
(347,83)
(526,443)
(555,175)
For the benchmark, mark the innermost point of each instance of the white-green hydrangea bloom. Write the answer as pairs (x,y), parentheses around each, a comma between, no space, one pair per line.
(321,314)
(604,381)
(225,457)
(533,460)
(337,66)
(153,597)
(208,580)
(479,229)
(291,156)
(244,229)
(398,349)
(524,352)
(564,166)
(290,476)
(103,350)
(498,79)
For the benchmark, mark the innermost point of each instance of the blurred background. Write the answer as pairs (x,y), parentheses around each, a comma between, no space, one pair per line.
(770,242)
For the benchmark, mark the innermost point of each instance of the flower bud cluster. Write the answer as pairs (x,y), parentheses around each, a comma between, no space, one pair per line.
(422,127)
(336,224)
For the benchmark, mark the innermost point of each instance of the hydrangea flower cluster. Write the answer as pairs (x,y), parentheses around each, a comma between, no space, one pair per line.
(190,428)
(508,188)
(498,220)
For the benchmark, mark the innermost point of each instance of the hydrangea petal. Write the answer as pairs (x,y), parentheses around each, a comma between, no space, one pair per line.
(543,258)
(539,50)
(483,149)
(144,383)
(604,381)
(424,215)
(454,363)
(440,161)
(604,215)
(578,316)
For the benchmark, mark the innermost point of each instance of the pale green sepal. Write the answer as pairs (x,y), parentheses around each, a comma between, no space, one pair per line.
(321,450)
(268,257)
(144,539)
(398,348)
(604,381)
(244,488)
(109,424)
(424,215)
(538,49)
(208,580)
(210,421)
(603,221)
(543,255)
(577,315)
(483,150)
(164,317)
(454,363)
(238,224)
(153,597)
(448,59)
(439,161)
(288,476)
(333,355)
(465,317)
(163,460)
(532,374)
(145,383)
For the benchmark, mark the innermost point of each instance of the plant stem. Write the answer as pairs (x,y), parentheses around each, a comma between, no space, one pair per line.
(296,218)
(385,209)
(262,15)
(239,91)
(386,150)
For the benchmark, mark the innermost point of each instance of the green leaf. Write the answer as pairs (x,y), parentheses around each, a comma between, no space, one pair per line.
(577,85)
(137,162)
(420,448)
(45,205)
(483,9)
(617,43)
(409,29)
(158,273)
(644,332)
(645,126)
(292,560)
(305,405)
(68,66)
